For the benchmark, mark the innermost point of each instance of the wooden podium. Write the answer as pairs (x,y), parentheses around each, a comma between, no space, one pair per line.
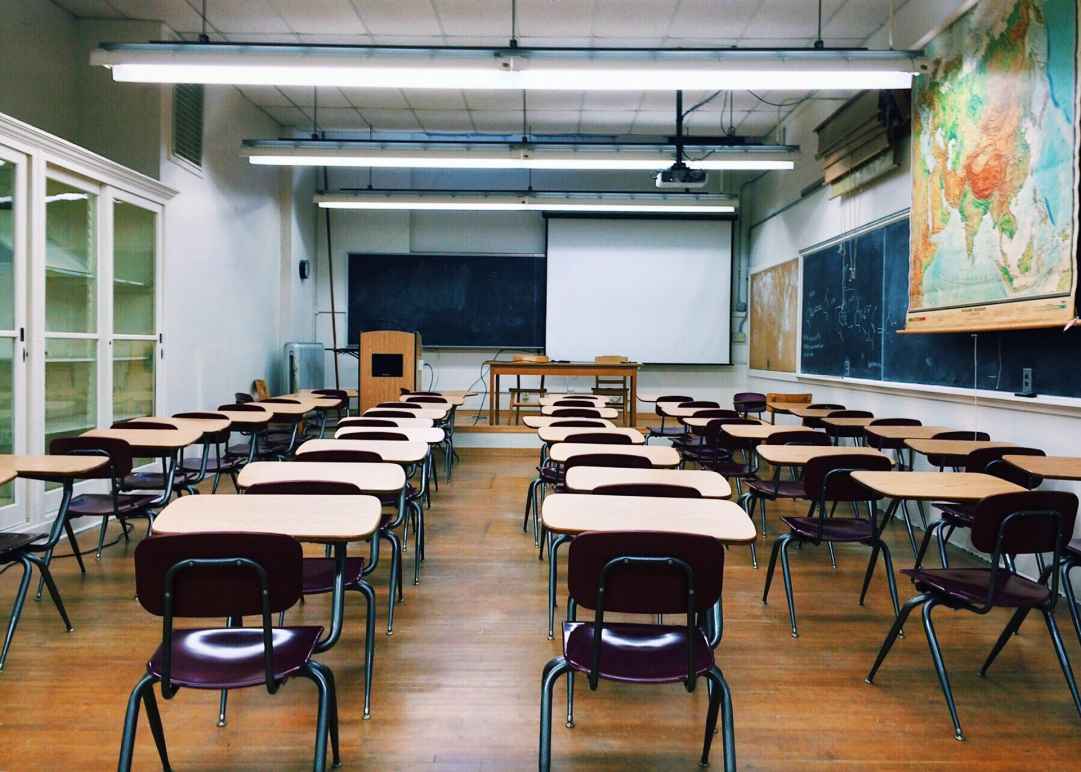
(388,364)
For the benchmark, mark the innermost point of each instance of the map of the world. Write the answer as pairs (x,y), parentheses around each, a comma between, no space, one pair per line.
(994,168)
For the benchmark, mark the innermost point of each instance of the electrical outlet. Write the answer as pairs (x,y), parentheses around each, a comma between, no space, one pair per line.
(1026,380)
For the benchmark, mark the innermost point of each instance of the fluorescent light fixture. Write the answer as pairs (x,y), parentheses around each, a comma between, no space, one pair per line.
(639,203)
(506,156)
(543,69)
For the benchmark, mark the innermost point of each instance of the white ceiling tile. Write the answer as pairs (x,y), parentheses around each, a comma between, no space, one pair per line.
(320,17)
(338,40)
(399,17)
(612,100)
(654,122)
(554,100)
(858,18)
(498,122)
(261,37)
(246,17)
(376,98)
(304,96)
(554,121)
(289,116)
(435,99)
(341,118)
(474,17)
(713,18)
(632,18)
(555,18)
(391,120)
(265,96)
(782,18)
(607,121)
(560,41)
(89,9)
(494,100)
(178,14)
(444,120)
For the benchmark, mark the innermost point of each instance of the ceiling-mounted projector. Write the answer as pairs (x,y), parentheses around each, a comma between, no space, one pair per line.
(679,175)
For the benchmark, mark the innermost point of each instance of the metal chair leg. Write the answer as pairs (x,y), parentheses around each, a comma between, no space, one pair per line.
(101,536)
(569,723)
(369,647)
(940,668)
(769,570)
(395,576)
(1071,599)
(869,573)
(720,696)
(156,729)
(787,574)
(1063,659)
(74,542)
(1007,633)
(332,708)
(892,635)
(54,591)
(322,727)
(16,611)
(552,671)
(131,722)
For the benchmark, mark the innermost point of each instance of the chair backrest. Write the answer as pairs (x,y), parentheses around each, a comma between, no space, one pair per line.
(408,393)
(240,407)
(716,437)
(599,438)
(303,488)
(241,397)
(575,403)
(347,422)
(824,406)
(699,403)
(575,412)
(749,401)
(282,401)
(852,414)
(798,437)
(615,460)
(653,490)
(333,393)
(895,422)
(399,406)
(208,437)
(422,399)
(827,478)
(641,572)
(579,424)
(677,398)
(1046,521)
(375,435)
(989,461)
(340,456)
(963,435)
(716,412)
(118,451)
(389,414)
(142,423)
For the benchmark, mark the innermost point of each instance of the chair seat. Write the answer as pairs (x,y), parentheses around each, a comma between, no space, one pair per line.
(970,585)
(14,542)
(155,481)
(232,658)
(730,468)
(959,515)
(240,450)
(833,528)
(227,464)
(783,489)
(319,574)
(636,653)
(101,504)
(551,474)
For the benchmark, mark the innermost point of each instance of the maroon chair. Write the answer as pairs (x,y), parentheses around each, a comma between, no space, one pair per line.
(985,461)
(953,461)
(828,480)
(662,432)
(196,470)
(21,548)
(399,406)
(358,422)
(229,575)
(653,490)
(243,452)
(816,423)
(747,402)
(1007,524)
(599,438)
(642,573)
(155,481)
(121,506)
(381,413)
(760,491)
(427,399)
(580,424)
(1071,560)
(375,435)
(280,438)
(698,446)
(838,433)
(575,403)
(896,445)
(576,412)
(319,573)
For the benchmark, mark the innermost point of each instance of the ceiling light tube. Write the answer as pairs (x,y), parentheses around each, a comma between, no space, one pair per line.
(549,69)
(509,156)
(540,202)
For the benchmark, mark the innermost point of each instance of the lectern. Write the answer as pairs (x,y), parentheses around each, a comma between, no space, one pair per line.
(389,362)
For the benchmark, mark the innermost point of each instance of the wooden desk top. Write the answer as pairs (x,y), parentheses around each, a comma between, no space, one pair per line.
(935,486)
(710,484)
(317,400)
(393,451)
(806,412)
(159,439)
(285,408)
(952,447)
(560,433)
(846,422)
(502,364)
(539,421)
(405,423)
(438,414)
(574,513)
(455,397)
(204,425)
(906,432)
(246,417)
(367,477)
(760,431)
(429,435)
(551,399)
(321,519)
(1049,467)
(798,455)
(443,403)
(701,423)
(654,396)
(671,410)
(52,467)
(605,412)
(658,455)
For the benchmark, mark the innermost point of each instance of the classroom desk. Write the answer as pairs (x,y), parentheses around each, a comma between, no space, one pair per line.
(702,423)
(433,414)
(551,434)
(392,451)
(151,442)
(404,423)
(455,398)
(369,478)
(605,412)
(246,420)
(566,515)
(842,423)
(806,412)
(799,455)
(540,421)
(586,479)
(203,425)
(895,436)
(501,367)
(673,410)
(658,455)
(289,409)
(429,435)
(957,448)
(759,432)
(551,399)
(1048,467)
(317,401)
(959,487)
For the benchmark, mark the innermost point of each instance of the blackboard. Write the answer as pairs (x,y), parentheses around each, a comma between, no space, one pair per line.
(855,297)
(477,301)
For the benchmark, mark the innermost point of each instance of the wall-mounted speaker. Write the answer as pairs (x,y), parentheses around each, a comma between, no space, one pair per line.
(305,269)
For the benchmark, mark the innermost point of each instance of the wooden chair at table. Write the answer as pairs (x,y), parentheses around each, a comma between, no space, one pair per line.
(662,432)
(1030,522)
(183,480)
(760,491)
(340,410)
(896,445)
(447,425)
(615,388)
(576,412)
(954,461)
(282,436)
(195,470)
(516,392)
(692,445)
(827,480)
(225,575)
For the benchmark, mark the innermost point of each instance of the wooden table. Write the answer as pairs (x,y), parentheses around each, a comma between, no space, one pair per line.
(369,478)
(246,419)
(498,368)
(847,422)
(702,423)
(392,451)
(455,398)
(437,414)
(602,412)
(658,455)
(1049,467)
(204,425)
(952,447)
(710,485)
(151,442)
(566,515)
(673,410)
(539,421)
(429,435)
(560,433)
(299,407)
(551,399)
(806,412)
(902,433)
(405,423)
(799,455)
(760,432)
(317,401)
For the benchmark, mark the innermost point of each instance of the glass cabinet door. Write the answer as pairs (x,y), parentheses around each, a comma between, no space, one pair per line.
(13,208)
(135,236)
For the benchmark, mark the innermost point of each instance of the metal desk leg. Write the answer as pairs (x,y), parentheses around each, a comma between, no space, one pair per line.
(337,600)
(56,530)
(552,570)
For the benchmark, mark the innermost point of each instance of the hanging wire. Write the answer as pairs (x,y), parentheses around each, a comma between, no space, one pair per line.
(513,23)
(891,24)
(315,112)
(818,41)
(204,37)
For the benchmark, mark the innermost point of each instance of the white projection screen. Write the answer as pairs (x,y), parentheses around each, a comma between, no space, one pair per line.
(655,291)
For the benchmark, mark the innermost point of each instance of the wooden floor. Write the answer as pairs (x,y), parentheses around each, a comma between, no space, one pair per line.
(456,687)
